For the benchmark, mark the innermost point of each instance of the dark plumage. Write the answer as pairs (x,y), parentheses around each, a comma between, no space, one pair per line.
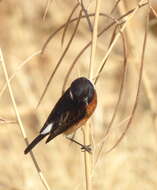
(70,112)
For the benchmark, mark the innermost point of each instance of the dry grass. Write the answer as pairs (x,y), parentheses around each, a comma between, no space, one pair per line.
(25,27)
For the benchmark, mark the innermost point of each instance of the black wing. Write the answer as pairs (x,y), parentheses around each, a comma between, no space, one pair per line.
(65,114)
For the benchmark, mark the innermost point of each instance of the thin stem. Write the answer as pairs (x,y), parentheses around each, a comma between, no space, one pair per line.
(61,59)
(43,180)
(138,88)
(88,159)
(89,43)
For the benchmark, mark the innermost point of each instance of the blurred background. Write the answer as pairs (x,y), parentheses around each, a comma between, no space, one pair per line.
(25,27)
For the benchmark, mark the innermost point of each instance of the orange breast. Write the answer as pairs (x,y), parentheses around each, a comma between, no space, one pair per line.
(90,109)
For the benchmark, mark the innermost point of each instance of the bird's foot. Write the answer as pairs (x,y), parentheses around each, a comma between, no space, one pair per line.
(86,148)
(83,147)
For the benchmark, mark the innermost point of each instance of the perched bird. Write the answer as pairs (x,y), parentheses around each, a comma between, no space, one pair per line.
(71,111)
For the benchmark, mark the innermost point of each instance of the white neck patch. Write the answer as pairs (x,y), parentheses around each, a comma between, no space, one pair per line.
(71,95)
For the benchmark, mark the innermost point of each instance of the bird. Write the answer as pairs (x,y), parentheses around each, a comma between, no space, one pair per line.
(71,112)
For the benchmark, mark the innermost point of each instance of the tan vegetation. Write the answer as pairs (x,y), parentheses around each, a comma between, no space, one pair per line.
(25,27)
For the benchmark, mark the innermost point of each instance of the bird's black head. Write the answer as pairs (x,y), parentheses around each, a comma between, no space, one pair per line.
(82,90)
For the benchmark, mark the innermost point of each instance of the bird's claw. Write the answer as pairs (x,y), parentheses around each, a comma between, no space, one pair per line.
(86,148)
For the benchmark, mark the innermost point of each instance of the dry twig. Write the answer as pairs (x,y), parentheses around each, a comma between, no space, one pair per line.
(42,178)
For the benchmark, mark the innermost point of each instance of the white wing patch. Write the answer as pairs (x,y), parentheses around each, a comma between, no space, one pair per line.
(47,129)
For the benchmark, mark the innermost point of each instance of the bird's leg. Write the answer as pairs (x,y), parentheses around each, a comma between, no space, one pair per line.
(73,136)
(83,147)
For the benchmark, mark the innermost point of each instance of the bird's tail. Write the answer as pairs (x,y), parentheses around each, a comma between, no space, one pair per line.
(34,142)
